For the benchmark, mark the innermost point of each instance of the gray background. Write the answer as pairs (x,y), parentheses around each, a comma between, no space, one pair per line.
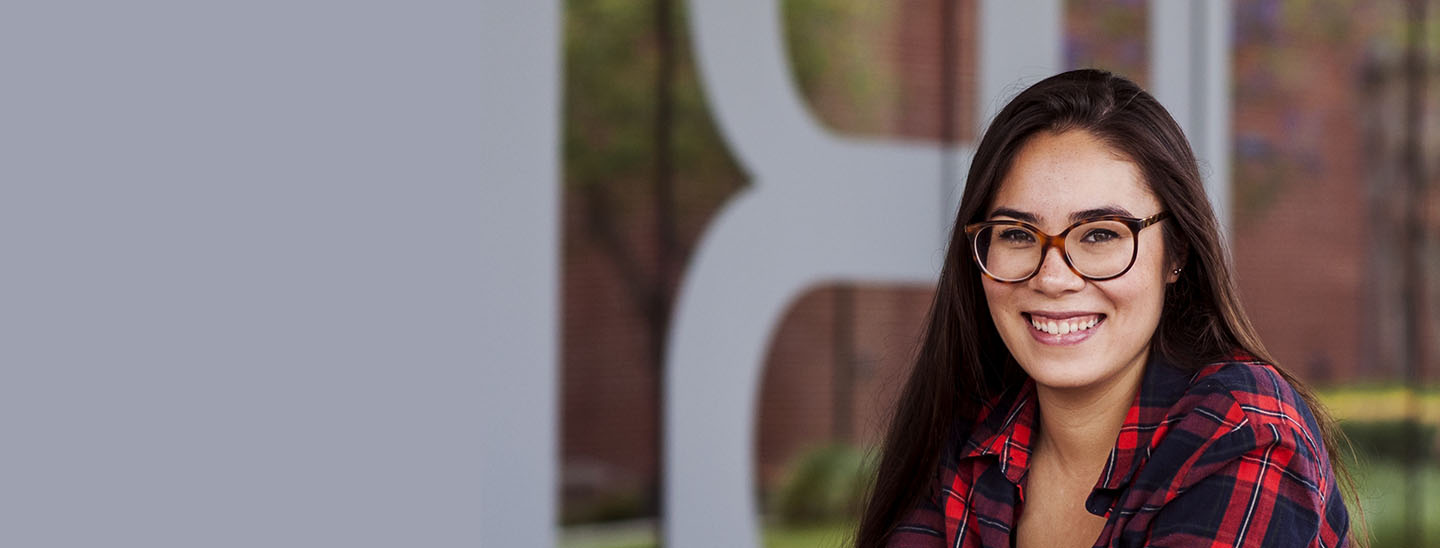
(277,273)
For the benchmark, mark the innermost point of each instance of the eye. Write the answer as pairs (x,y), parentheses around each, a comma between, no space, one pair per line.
(1016,236)
(1099,236)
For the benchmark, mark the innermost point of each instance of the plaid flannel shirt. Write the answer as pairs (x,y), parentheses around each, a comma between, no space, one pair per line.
(1225,456)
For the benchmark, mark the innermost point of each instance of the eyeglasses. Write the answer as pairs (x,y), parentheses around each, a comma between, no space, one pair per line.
(1097,249)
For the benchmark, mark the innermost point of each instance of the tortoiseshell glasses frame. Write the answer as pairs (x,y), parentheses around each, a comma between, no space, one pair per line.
(973,232)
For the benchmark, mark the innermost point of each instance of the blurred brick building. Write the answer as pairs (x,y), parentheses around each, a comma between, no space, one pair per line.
(1316,135)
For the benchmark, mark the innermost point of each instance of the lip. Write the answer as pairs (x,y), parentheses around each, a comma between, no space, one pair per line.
(1068,339)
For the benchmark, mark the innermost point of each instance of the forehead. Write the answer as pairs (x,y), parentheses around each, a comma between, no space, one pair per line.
(1055,175)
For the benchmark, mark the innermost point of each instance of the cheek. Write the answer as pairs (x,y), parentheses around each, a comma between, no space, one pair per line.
(997,295)
(1141,301)
(1142,290)
(1001,300)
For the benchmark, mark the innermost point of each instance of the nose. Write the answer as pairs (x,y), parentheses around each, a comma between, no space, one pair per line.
(1055,277)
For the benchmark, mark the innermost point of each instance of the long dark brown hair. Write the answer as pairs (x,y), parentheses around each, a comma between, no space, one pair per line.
(962,361)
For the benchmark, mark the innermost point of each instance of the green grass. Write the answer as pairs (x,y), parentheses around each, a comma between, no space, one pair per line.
(1381,487)
(1382,482)
(816,536)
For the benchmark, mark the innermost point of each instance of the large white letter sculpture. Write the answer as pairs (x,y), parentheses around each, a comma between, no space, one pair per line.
(820,207)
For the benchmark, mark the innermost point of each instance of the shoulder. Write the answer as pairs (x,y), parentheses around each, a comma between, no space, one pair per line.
(1243,463)
(1247,379)
(1245,408)
(1253,395)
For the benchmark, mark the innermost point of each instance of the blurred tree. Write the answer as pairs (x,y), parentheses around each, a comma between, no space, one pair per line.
(842,57)
(644,163)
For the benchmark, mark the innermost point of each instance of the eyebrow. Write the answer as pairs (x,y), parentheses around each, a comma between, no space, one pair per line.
(1074,217)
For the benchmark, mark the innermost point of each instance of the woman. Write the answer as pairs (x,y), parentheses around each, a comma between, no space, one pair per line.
(1088,376)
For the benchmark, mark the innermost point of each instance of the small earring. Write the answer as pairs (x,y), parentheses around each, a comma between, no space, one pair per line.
(1175,272)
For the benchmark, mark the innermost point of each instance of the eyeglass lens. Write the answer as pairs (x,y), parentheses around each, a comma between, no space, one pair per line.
(1099,249)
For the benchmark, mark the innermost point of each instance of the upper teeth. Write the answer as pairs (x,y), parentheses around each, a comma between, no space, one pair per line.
(1061,327)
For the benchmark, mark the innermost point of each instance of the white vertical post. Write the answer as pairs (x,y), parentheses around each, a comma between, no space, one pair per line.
(1215,144)
(1190,48)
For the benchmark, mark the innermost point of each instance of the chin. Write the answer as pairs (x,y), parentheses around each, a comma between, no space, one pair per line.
(1063,374)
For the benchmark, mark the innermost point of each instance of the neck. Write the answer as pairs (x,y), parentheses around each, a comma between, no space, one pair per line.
(1078,426)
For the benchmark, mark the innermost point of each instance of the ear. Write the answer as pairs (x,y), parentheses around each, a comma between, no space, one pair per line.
(1177,266)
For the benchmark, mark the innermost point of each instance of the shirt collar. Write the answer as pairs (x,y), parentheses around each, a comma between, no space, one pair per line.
(1161,386)
(1007,425)
(1005,430)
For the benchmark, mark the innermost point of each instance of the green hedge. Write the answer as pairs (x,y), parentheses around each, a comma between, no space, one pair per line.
(1390,439)
(824,485)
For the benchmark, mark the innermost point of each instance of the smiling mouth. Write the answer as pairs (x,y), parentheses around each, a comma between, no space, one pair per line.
(1063,326)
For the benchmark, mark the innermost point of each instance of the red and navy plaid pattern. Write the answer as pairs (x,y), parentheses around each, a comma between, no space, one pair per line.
(1229,455)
